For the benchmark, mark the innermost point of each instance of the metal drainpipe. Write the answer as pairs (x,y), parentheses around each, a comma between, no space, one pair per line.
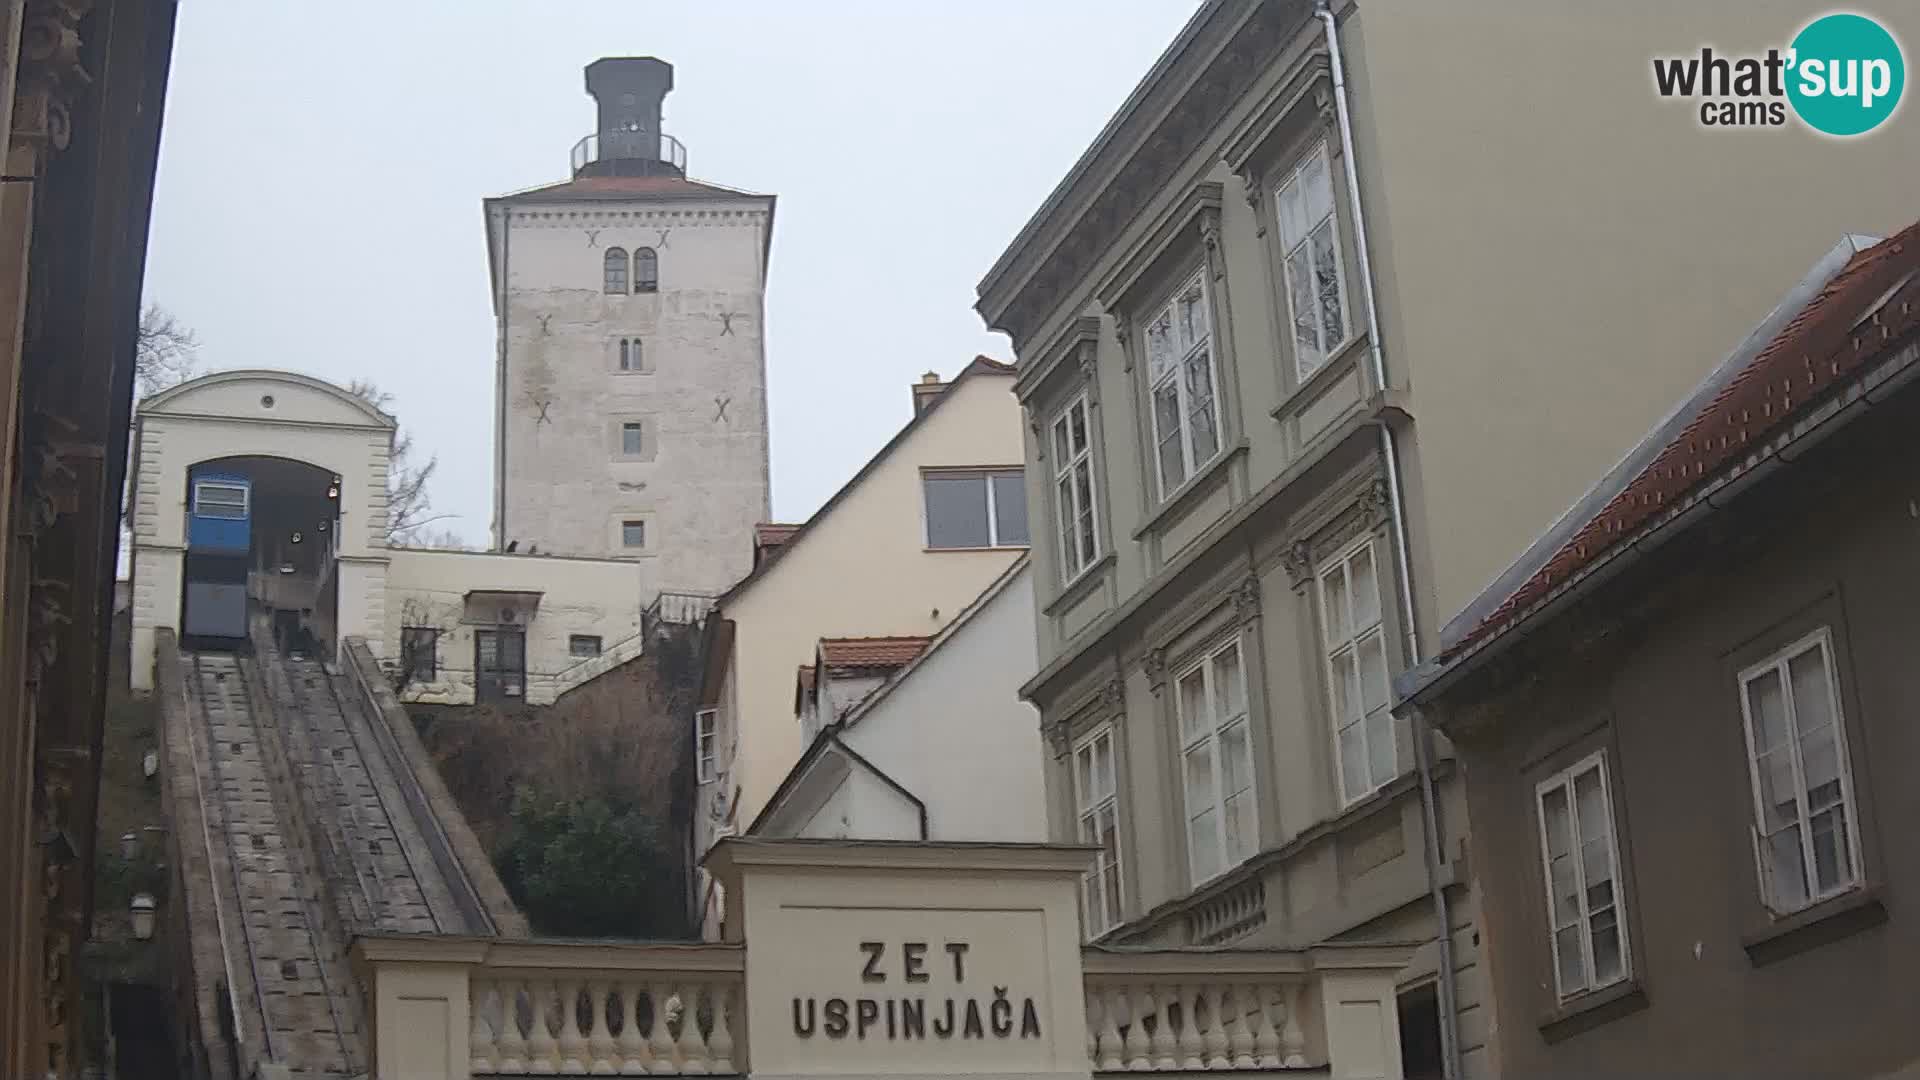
(1435,856)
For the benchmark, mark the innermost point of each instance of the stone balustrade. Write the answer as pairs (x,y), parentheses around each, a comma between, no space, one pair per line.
(604,1023)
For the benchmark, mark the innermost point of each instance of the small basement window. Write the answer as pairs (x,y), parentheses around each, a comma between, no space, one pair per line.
(633,534)
(583,645)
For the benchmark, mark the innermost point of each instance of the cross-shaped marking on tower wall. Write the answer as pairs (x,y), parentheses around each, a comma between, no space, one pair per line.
(544,320)
(726,323)
(662,242)
(542,406)
(720,408)
(593,237)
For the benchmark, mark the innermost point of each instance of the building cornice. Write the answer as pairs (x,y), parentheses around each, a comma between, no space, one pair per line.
(1214,61)
(738,852)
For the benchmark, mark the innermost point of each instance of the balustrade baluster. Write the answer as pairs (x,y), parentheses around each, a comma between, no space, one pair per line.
(480,1049)
(511,1058)
(692,1045)
(573,1045)
(600,1059)
(1293,1041)
(720,1043)
(1110,1049)
(1187,1037)
(1239,1034)
(633,1045)
(1216,998)
(659,1040)
(1137,1045)
(1266,1041)
(1094,1012)
(1160,1004)
(543,1053)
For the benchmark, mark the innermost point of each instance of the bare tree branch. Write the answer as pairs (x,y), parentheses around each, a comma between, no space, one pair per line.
(165,351)
(407,501)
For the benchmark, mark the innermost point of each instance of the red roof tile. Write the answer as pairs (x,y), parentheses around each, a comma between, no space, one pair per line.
(871,652)
(588,188)
(1814,353)
(769,534)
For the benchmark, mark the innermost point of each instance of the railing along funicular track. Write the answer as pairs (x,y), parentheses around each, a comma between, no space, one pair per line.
(277,929)
(397,898)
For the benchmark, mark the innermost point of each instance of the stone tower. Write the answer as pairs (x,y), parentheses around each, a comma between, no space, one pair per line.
(630,395)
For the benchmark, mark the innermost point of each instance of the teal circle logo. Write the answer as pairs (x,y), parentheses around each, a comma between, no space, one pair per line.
(1846,74)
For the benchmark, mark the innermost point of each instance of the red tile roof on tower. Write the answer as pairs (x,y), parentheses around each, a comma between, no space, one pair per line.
(1874,299)
(589,188)
(842,654)
(770,534)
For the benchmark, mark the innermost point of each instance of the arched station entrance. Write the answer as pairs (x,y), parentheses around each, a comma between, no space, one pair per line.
(262,534)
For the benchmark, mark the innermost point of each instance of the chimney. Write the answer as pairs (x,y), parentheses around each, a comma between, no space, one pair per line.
(924,391)
(627,91)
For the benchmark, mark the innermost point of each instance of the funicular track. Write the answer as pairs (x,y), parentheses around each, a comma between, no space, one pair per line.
(293,986)
(382,875)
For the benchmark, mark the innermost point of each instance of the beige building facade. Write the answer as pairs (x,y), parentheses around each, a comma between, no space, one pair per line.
(867,564)
(1305,362)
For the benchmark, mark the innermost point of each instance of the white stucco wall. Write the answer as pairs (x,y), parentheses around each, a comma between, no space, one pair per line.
(862,569)
(701,481)
(428,588)
(270,414)
(954,731)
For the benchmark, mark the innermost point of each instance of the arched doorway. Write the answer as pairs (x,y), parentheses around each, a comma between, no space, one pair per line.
(262,542)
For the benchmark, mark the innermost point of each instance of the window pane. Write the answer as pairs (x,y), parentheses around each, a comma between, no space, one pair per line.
(1812,704)
(1353,762)
(1242,830)
(1191,315)
(1556,818)
(1373,672)
(1201,793)
(1366,588)
(1306,325)
(1820,766)
(1160,348)
(1236,758)
(1010,508)
(1779,805)
(630,439)
(1062,451)
(956,511)
(1201,417)
(1083,778)
(1229,684)
(1333,601)
(1112,893)
(1317,186)
(1573,968)
(1083,487)
(1342,683)
(1784,866)
(1766,711)
(1326,275)
(615,266)
(1166,427)
(1203,846)
(1832,856)
(1077,424)
(1070,557)
(1564,889)
(1293,213)
(1194,719)
(633,533)
(1607,959)
(1380,748)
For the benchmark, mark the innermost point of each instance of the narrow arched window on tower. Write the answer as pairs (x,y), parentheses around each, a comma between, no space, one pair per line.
(646,271)
(630,359)
(616,271)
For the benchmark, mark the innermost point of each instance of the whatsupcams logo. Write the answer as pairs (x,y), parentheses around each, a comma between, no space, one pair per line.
(1843,74)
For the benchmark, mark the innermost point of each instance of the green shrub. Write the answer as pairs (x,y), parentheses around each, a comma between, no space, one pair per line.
(589,867)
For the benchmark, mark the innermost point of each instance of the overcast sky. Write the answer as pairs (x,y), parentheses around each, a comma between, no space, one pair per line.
(323,163)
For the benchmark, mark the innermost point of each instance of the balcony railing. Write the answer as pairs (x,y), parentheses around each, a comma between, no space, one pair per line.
(609,148)
(612,1008)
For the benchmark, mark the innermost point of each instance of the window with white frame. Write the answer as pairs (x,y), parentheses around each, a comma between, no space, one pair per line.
(1097,802)
(1357,677)
(1806,833)
(1585,908)
(1181,377)
(214,499)
(1216,763)
(1073,490)
(975,509)
(705,726)
(1315,277)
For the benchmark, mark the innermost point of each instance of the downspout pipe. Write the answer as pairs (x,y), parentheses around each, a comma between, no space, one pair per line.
(1435,855)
